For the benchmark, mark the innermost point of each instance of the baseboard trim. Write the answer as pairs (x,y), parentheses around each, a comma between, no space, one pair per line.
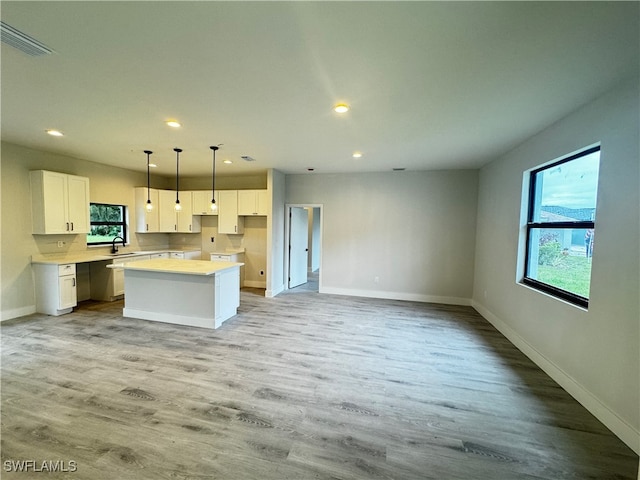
(627,433)
(255,284)
(273,292)
(17,312)
(411,297)
(190,321)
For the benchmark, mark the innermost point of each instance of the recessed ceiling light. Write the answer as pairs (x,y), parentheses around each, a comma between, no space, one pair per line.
(228,162)
(153,165)
(55,133)
(357,154)
(341,108)
(173,123)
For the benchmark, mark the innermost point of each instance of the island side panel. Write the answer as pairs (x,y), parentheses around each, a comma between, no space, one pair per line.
(227,294)
(170,297)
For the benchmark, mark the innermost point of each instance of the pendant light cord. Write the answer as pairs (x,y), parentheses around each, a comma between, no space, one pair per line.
(177,150)
(148,152)
(213,176)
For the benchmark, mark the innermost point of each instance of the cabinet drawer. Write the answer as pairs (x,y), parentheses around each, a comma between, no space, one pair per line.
(67,269)
(220,258)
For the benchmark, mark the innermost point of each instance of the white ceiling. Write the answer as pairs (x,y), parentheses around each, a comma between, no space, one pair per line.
(432,85)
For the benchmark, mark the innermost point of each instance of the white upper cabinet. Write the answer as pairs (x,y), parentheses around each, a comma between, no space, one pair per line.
(171,221)
(252,202)
(185,220)
(201,202)
(228,220)
(147,221)
(59,203)
(166,211)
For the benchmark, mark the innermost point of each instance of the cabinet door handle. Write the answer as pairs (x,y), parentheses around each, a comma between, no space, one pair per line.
(189,227)
(175,227)
(72,226)
(67,226)
(74,282)
(147,227)
(235,228)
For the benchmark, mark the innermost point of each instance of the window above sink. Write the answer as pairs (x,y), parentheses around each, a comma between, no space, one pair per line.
(107,221)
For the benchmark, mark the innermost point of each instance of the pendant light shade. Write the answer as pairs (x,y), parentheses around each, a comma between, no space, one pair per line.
(177,207)
(149,205)
(213,205)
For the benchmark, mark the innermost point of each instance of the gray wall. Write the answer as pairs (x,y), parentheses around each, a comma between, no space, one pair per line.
(413,232)
(593,354)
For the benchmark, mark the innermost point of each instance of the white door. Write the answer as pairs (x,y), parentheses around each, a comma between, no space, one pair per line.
(298,246)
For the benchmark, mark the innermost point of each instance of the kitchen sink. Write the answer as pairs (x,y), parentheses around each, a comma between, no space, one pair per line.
(122,254)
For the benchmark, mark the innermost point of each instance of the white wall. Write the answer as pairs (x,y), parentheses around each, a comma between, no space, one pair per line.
(412,231)
(593,354)
(275,233)
(313,262)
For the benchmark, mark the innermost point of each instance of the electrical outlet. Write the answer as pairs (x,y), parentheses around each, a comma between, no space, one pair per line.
(60,244)
(212,239)
(261,273)
(376,279)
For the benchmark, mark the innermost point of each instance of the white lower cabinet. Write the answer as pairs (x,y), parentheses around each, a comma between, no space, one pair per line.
(56,289)
(68,293)
(230,257)
(187,255)
(107,284)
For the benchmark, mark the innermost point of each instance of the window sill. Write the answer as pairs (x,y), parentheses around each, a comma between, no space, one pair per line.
(531,287)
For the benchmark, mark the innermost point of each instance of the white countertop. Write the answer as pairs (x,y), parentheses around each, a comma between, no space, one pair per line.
(228,251)
(177,265)
(84,257)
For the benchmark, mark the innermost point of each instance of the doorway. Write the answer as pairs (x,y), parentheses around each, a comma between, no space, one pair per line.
(303,259)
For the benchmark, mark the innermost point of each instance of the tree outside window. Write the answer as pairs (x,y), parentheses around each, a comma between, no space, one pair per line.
(561,229)
(107,222)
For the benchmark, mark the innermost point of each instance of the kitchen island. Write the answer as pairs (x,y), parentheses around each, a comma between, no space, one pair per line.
(197,293)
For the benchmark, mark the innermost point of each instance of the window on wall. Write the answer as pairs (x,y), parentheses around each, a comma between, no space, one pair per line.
(107,221)
(560,231)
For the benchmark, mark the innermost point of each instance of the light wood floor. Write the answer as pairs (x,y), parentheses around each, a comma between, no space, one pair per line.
(302,386)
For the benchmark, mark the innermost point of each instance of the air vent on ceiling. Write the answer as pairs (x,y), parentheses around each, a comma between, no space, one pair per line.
(247,158)
(22,41)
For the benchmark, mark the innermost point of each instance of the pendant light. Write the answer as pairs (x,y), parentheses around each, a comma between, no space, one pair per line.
(177,207)
(213,206)
(149,205)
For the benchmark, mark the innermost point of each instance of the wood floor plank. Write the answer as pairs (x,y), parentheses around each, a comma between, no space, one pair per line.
(301,386)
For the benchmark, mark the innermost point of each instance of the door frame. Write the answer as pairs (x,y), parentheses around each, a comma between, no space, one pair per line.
(287,232)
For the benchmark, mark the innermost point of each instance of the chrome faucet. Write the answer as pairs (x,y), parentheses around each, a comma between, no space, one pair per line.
(114,249)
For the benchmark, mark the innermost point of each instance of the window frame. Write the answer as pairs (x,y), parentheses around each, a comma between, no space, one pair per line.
(531,225)
(123,223)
